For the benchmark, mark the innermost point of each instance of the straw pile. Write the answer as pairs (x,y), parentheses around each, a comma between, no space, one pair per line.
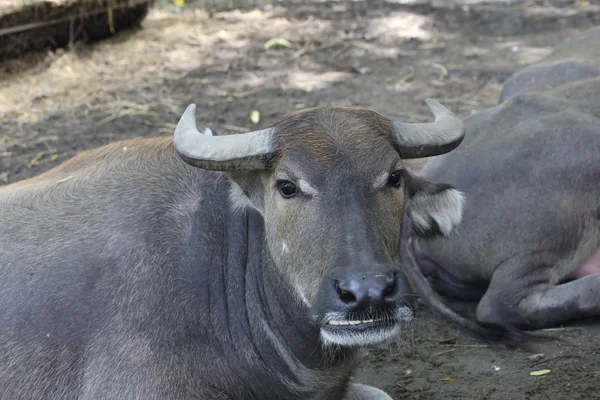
(27,25)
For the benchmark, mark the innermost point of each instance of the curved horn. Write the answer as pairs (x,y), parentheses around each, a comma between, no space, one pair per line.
(252,150)
(429,139)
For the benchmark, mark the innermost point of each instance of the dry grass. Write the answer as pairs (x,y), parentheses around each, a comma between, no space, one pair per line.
(27,25)
(98,80)
(10,6)
(91,79)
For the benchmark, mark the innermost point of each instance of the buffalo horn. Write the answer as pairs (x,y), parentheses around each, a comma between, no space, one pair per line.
(418,140)
(247,151)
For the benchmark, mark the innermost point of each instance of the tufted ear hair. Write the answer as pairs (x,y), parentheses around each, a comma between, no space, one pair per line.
(433,208)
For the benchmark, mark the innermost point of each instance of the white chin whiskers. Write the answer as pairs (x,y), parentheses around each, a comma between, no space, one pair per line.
(337,329)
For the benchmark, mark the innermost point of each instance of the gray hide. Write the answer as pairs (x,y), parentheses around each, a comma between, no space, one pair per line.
(127,273)
(528,246)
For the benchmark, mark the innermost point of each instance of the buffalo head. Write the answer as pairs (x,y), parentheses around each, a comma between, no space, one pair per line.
(332,188)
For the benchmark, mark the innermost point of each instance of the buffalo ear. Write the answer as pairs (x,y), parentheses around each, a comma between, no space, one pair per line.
(246,189)
(434,209)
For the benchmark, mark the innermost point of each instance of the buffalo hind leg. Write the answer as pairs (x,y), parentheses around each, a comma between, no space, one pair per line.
(357,391)
(538,305)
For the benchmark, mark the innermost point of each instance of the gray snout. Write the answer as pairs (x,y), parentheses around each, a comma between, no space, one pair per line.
(368,290)
(359,306)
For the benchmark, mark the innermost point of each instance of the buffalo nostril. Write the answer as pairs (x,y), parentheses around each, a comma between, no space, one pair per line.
(390,290)
(344,295)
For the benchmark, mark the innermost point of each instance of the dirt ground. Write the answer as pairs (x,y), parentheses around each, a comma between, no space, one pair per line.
(388,56)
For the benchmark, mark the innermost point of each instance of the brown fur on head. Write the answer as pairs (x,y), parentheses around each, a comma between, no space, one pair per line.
(340,159)
(345,129)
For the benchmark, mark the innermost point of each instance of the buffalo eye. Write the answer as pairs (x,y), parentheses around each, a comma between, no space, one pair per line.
(287,189)
(395,178)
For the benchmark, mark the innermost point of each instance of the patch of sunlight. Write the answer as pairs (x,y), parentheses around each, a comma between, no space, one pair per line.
(530,55)
(310,81)
(525,54)
(360,49)
(246,82)
(399,25)
(182,60)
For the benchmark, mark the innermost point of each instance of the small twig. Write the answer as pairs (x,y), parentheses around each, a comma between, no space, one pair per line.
(109,12)
(302,51)
(124,113)
(242,94)
(436,82)
(35,160)
(450,340)
(71,32)
(441,352)
(412,340)
(528,3)
(433,45)
(411,74)
(442,69)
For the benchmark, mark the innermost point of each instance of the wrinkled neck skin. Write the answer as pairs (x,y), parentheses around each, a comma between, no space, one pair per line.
(263,330)
(288,318)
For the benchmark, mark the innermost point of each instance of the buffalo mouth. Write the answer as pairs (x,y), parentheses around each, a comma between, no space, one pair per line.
(363,330)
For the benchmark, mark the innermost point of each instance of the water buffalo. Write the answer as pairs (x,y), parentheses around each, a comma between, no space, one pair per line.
(246,266)
(528,246)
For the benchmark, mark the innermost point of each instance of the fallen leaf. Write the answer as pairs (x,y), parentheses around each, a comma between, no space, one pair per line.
(68,178)
(583,4)
(408,371)
(449,379)
(54,157)
(255,117)
(540,372)
(277,42)
(179,3)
